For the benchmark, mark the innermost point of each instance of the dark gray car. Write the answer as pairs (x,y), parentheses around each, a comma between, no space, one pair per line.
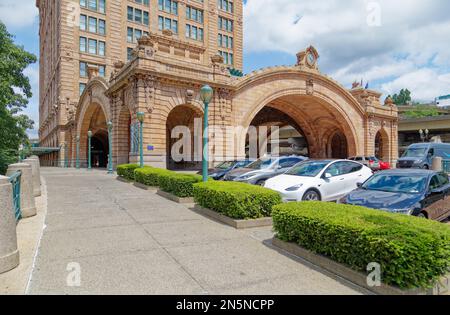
(261,170)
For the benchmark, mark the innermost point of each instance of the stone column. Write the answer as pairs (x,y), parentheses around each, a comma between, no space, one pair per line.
(36,175)
(27,204)
(9,254)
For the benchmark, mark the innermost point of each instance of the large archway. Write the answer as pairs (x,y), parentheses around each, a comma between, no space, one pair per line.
(184,138)
(326,116)
(382,145)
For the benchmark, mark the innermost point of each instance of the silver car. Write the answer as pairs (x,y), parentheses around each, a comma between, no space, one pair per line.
(261,170)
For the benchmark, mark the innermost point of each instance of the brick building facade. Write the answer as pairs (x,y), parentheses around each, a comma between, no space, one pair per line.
(162,75)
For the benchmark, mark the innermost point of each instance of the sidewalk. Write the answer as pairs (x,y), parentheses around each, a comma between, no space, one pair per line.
(130,241)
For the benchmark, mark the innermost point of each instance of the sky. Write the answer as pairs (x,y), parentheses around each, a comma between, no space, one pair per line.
(389,44)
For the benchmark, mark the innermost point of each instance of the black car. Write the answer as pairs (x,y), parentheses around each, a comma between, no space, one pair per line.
(421,193)
(224,168)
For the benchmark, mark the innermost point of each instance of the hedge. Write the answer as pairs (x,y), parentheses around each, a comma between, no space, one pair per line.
(127,170)
(412,252)
(149,176)
(236,200)
(180,185)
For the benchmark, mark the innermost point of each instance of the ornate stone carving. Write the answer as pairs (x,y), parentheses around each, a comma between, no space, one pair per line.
(189,96)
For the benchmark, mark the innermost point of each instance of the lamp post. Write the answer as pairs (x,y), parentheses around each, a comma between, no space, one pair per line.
(78,152)
(424,134)
(110,163)
(89,150)
(140,117)
(206,94)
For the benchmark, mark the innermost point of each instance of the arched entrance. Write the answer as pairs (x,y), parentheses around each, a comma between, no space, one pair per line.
(327,118)
(184,138)
(99,149)
(382,145)
(338,146)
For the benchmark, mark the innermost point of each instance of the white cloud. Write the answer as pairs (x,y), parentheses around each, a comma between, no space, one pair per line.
(412,37)
(18,13)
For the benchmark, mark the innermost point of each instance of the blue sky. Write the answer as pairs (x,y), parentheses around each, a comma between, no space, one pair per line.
(391,44)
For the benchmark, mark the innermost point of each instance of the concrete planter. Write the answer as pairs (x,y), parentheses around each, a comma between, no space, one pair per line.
(36,173)
(356,277)
(175,198)
(27,203)
(124,180)
(145,187)
(9,253)
(237,224)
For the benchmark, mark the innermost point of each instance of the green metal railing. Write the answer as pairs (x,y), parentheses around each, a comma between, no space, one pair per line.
(14,179)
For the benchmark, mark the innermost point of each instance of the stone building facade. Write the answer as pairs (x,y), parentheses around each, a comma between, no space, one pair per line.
(76,34)
(163,77)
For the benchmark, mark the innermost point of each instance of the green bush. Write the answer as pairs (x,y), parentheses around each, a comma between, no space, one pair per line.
(127,170)
(180,185)
(412,252)
(150,176)
(236,200)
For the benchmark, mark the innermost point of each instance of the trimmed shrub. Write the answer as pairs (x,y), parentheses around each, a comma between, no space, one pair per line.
(180,185)
(149,176)
(127,170)
(236,200)
(412,252)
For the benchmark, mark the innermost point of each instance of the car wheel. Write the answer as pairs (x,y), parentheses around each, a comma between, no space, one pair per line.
(261,182)
(311,195)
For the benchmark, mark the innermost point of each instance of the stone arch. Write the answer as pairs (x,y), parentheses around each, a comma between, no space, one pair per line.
(306,91)
(122,132)
(382,145)
(93,113)
(184,115)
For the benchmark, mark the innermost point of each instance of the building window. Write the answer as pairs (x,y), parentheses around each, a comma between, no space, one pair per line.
(225,41)
(194,32)
(83,69)
(102,70)
(129,53)
(225,5)
(227,57)
(130,34)
(101,48)
(101,27)
(82,87)
(92,5)
(194,14)
(83,3)
(83,21)
(138,16)
(92,25)
(225,24)
(102,6)
(168,6)
(83,44)
(167,24)
(92,46)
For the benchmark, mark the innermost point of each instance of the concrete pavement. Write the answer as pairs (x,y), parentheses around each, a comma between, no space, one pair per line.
(104,236)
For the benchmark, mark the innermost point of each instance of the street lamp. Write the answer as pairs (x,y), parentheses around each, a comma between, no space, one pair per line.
(424,134)
(206,94)
(110,164)
(89,150)
(140,117)
(78,152)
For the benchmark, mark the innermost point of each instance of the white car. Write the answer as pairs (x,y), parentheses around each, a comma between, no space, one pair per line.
(315,180)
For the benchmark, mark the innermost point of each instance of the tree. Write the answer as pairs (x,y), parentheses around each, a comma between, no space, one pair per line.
(403,98)
(15,91)
(421,111)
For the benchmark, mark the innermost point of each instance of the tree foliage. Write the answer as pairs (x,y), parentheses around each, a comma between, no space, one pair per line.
(403,98)
(15,90)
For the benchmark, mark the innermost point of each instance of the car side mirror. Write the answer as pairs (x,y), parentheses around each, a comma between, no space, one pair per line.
(359,185)
(327,176)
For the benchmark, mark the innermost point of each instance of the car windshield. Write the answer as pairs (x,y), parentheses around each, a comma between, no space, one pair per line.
(396,183)
(226,165)
(415,152)
(308,169)
(261,164)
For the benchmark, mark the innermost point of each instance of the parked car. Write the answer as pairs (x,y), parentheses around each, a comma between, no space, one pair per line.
(224,168)
(261,170)
(374,163)
(421,155)
(326,180)
(420,193)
